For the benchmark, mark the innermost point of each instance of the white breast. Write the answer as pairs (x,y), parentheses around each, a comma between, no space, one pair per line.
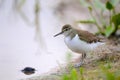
(80,46)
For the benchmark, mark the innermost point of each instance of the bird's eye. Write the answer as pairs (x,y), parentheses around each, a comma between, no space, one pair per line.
(66,29)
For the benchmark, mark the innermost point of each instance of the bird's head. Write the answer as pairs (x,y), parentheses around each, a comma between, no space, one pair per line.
(66,30)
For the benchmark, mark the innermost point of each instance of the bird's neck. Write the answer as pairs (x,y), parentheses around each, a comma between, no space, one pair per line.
(71,35)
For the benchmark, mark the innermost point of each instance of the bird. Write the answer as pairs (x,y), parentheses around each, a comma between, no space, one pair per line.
(28,70)
(80,41)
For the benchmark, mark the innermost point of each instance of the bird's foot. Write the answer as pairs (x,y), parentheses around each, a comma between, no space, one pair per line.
(77,65)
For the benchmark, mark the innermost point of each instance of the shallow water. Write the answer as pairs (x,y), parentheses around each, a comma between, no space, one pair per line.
(19,49)
(18,45)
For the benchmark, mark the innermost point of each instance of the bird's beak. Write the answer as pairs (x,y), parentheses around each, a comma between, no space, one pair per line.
(58,34)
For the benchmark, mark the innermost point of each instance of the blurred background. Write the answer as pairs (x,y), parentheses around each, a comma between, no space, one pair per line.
(27,28)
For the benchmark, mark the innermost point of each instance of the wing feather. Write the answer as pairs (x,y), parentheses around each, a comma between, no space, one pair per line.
(87,36)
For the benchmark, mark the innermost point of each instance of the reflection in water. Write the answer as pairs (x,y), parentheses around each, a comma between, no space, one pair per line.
(19,49)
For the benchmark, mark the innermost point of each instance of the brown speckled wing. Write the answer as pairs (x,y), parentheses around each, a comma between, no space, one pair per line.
(87,36)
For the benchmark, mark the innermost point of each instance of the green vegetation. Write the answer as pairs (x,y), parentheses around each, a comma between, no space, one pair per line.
(95,70)
(104,16)
(101,72)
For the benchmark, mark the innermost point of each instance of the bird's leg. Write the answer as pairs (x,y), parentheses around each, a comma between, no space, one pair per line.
(81,61)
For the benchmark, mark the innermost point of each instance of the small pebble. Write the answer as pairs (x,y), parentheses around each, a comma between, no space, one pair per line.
(28,70)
